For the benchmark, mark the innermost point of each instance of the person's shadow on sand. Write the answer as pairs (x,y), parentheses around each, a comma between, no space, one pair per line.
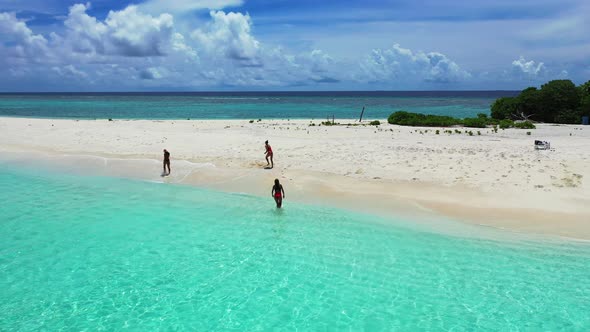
(267,167)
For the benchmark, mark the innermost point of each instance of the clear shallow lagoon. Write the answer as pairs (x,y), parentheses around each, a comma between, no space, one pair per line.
(95,253)
(247,105)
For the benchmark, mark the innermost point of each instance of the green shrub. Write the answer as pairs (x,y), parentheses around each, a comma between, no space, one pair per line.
(470,133)
(528,133)
(524,125)
(328,123)
(506,124)
(478,122)
(375,123)
(478,133)
(403,118)
(251,121)
(437,132)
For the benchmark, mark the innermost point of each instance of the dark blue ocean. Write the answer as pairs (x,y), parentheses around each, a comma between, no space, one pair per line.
(246,105)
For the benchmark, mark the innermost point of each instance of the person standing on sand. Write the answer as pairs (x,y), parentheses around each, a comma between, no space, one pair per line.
(268,154)
(278,193)
(166,161)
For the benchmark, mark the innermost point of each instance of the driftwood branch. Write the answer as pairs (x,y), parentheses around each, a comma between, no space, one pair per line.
(522,116)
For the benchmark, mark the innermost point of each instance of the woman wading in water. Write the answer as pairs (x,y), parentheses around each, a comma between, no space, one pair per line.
(278,193)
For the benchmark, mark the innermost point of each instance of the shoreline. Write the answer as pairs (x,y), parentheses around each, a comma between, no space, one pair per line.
(342,176)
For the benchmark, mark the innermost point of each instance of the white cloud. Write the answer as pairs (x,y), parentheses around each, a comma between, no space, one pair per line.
(399,64)
(179,45)
(229,34)
(69,71)
(180,6)
(27,44)
(127,32)
(276,68)
(564,74)
(571,26)
(151,73)
(527,69)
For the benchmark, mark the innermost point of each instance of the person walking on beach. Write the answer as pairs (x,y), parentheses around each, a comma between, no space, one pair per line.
(278,193)
(268,154)
(166,162)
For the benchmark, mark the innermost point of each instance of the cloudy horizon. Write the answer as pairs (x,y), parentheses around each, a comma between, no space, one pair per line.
(227,45)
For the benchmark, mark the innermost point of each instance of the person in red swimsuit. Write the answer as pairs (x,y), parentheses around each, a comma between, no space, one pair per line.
(268,154)
(278,193)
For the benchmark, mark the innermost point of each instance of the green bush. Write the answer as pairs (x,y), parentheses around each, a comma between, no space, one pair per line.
(403,118)
(479,122)
(374,123)
(506,124)
(524,125)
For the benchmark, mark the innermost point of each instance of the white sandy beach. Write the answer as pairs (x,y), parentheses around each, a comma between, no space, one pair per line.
(494,179)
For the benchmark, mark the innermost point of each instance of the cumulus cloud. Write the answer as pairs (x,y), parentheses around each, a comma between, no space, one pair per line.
(527,69)
(180,6)
(318,66)
(69,71)
(399,63)
(26,43)
(277,68)
(229,34)
(179,45)
(150,73)
(127,32)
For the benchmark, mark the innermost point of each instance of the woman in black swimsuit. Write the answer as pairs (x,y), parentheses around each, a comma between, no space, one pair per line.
(278,193)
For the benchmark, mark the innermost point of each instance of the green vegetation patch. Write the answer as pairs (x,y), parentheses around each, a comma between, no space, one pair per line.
(404,118)
(557,101)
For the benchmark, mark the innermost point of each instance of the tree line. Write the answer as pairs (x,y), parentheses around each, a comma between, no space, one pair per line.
(558,101)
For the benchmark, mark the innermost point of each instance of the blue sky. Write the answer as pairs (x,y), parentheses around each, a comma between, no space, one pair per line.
(146,45)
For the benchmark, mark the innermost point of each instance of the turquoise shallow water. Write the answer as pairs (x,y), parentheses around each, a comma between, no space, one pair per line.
(90,253)
(247,105)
